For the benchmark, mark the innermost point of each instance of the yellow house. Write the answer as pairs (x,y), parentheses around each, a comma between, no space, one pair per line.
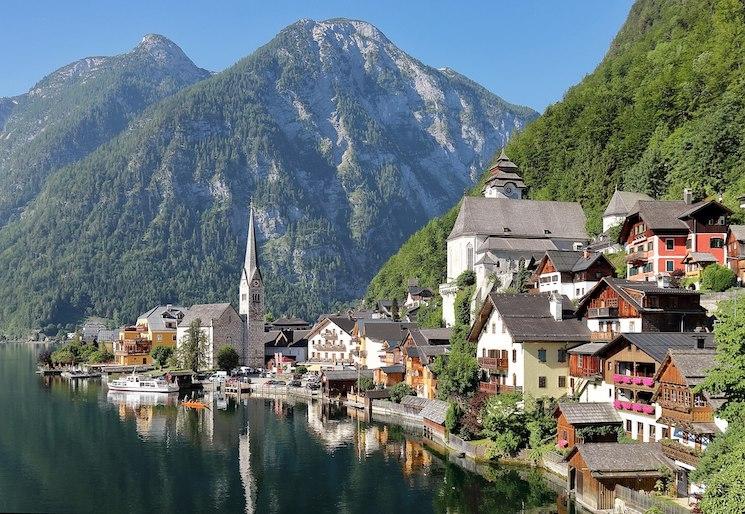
(160,324)
(132,348)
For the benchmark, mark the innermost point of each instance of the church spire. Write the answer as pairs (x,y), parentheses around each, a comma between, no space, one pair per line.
(251,263)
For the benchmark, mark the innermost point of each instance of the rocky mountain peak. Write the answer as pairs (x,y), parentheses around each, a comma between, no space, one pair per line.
(162,49)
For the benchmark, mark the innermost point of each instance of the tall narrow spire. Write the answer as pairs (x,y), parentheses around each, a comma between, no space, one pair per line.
(251,263)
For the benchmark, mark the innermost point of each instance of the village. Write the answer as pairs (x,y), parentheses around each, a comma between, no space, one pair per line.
(615,362)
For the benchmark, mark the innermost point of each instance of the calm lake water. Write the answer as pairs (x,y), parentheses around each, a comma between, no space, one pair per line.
(67,447)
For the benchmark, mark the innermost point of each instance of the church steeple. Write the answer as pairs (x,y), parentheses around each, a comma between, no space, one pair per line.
(251,262)
(252,298)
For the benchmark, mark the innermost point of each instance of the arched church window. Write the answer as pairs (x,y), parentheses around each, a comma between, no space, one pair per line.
(469,256)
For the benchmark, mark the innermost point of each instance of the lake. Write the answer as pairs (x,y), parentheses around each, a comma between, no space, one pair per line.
(75,447)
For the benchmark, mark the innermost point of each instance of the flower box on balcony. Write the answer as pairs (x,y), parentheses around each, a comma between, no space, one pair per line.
(636,380)
(637,407)
(648,409)
(648,381)
(617,404)
(626,405)
(625,379)
(617,378)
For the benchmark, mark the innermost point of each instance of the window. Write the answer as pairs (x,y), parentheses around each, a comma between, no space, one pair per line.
(628,425)
(640,430)
(542,382)
(562,357)
(493,328)
(652,433)
(562,382)
(542,355)
(669,265)
(716,242)
(669,244)
(632,326)
(514,355)
(469,256)
(255,298)
(244,296)
(650,246)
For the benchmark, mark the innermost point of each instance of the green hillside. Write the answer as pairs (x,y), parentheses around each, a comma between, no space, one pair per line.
(664,110)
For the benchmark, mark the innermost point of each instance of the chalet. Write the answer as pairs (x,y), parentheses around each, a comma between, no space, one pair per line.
(658,234)
(586,423)
(394,353)
(500,234)
(694,263)
(337,383)
(596,469)
(330,342)
(736,251)
(630,363)
(375,336)
(288,324)
(522,342)
(418,362)
(690,417)
(286,346)
(161,323)
(570,273)
(222,326)
(387,376)
(616,305)
(416,295)
(133,347)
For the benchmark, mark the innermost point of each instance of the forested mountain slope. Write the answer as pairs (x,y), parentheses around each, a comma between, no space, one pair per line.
(664,110)
(345,144)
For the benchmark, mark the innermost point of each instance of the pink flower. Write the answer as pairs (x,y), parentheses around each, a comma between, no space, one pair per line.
(617,378)
(617,404)
(626,405)
(648,381)
(637,380)
(638,407)
(648,409)
(563,443)
(626,380)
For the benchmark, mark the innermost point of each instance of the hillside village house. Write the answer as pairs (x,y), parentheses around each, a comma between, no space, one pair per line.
(694,263)
(522,342)
(659,234)
(161,323)
(222,326)
(736,251)
(133,347)
(620,205)
(419,361)
(374,336)
(497,235)
(331,344)
(571,273)
(417,296)
(630,363)
(617,305)
(690,417)
(286,347)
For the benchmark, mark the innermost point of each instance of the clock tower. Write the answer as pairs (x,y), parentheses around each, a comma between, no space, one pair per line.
(251,302)
(504,180)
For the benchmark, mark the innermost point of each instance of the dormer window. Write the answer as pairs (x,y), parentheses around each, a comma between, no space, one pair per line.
(506,229)
(546,231)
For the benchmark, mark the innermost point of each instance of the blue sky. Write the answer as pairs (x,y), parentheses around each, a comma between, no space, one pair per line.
(527,51)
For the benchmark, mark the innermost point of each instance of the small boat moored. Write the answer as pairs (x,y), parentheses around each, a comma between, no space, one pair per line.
(142,384)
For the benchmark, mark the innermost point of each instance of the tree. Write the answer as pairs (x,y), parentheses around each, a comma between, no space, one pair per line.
(365,384)
(161,354)
(192,352)
(717,278)
(227,358)
(457,372)
(395,310)
(465,279)
(401,390)
(45,357)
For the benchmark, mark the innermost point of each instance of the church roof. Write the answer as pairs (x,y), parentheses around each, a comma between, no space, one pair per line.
(505,217)
(206,313)
(251,262)
(504,171)
(622,202)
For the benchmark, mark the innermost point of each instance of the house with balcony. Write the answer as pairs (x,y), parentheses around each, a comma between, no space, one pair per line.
(375,337)
(690,417)
(617,305)
(419,369)
(586,373)
(657,235)
(630,363)
(133,347)
(570,273)
(736,251)
(161,323)
(694,264)
(595,422)
(331,343)
(395,353)
(522,342)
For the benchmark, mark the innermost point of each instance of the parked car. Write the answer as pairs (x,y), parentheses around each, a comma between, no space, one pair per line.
(219,376)
(295,383)
(270,382)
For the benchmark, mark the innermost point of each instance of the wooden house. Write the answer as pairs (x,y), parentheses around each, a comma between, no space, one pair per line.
(595,470)
(420,374)
(388,376)
(571,273)
(586,423)
(339,382)
(736,251)
(433,418)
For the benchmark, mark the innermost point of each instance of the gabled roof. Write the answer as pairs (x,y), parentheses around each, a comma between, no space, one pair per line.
(420,291)
(692,363)
(436,336)
(384,330)
(699,257)
(622,460)
(435,411)
(528,318)
(738,232)
(396,368)
(624,287)
(657,344)
(589,413)
(622,202)
(587,348)
(289,322)
(506,217)
(347,374)
(205,312)
(568,261)
(157,316)
(427,354)
(504,171)
(697,207)
(343,322)
(661,214)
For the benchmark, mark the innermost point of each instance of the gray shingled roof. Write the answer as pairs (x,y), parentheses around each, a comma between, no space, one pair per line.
(436,335)
(435,411)
(347,374)
(608,459)
(622,202)
(662,214)
(414,402)
(531,218)
(738,232)
(693,364)
(206,312)
(157,316)
(396,368)
(621,286)
(657,344)
(384,330)
(587,348)
(591,413)
(566,261)
(696,257)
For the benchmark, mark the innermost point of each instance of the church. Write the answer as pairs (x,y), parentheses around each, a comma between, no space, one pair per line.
(252,300)
(501,233)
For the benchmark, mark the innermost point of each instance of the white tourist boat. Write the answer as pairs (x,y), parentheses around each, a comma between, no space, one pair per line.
(142,384)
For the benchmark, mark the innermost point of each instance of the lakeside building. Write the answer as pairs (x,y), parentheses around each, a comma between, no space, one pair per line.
(133,347)
(252,300)
(657,235)
(570,273)
(375,336)
(595,422)
(331,343)
(161,323)
(285,347)
(221,325)
(522,341)
(501,235)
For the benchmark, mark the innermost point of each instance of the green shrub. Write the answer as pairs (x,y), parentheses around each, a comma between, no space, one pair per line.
(400,390)
(227,358)
(717,278)
(161,354)
(365,384)
(465,279)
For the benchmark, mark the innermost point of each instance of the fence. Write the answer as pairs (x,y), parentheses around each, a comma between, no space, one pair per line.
(643,501)
(459,445)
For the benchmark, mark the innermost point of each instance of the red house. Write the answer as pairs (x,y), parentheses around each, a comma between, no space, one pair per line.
(659,234)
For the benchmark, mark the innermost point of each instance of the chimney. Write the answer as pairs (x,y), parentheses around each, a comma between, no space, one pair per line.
(556,306)
(688,196)
(585,253)
(700,343)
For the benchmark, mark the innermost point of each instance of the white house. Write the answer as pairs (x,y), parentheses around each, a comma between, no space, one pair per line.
(620,206)
(571,273)
(375,335)
(331,343)
(220,323)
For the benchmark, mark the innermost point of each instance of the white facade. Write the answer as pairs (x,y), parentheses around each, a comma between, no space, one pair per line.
(615,325)
(552,283)
(610,221)
(330,344)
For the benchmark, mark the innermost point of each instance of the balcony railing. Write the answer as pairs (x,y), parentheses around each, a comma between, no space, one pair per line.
(641,408)
(602,336)
(637,257)
(634,380)
(330,348)
(496,388)
(676,451)
(494,363)
(602,312)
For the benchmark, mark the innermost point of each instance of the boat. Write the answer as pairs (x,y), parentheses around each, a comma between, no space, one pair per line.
(194,404)
(142,384)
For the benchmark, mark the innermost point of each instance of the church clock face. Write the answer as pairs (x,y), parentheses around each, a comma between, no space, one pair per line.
(509,190)
(256,283)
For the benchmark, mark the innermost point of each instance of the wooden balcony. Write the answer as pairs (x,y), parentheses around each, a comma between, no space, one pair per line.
(637,257)
(496,388)
(330,348)
(584,366)
(602,336)
(494,363)
(676,451)
(602,312)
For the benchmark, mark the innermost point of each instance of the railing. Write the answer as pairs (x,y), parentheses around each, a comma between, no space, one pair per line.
(602,312)
(634,380)
(496,363)
(330,348)
(641,408)
(637,257)
(497,388)
(645,501)
(602,336)
(676,451)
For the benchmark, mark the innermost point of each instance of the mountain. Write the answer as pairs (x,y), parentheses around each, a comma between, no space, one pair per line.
(77,108)
(664,110)
(344,143)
